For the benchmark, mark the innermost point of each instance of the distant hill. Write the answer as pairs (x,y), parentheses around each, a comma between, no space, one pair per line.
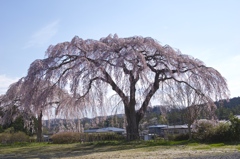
(225,108)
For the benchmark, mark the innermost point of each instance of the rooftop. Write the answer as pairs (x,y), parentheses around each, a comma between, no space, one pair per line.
(107,129)
(157,126)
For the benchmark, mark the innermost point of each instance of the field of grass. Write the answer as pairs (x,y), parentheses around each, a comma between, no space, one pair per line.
(116,149)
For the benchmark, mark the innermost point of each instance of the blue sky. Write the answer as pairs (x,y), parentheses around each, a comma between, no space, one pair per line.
(205,29)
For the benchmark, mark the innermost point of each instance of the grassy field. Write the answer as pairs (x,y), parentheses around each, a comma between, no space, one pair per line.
(116,149)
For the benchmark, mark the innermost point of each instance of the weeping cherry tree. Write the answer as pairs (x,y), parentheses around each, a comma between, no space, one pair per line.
(33,99)
(138,70)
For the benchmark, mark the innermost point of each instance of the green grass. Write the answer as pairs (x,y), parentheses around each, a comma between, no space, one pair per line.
(203,147)
(193,144)
(111,147)
(37,148)
(217,145)
(198,146)
(97,146)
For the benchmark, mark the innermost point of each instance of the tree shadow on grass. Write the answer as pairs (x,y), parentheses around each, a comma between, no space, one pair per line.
(48,151)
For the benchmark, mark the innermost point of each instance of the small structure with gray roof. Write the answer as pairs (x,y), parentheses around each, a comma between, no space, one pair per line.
(176,129)
(157,130)
(106,130)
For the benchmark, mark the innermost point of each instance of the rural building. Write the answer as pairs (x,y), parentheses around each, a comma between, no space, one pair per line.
(156,130)
(162,130)
(176,129)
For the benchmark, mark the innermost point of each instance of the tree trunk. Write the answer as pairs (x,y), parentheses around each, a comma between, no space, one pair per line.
(132,123)
(39,127)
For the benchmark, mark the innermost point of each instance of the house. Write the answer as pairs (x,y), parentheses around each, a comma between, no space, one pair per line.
(111,129)
(156,130)
(162,130)
(91,130)
(176,129)
(105,130)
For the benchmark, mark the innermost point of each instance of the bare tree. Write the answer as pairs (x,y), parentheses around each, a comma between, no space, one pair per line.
(135,68)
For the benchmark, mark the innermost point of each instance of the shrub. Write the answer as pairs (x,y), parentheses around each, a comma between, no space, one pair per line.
(73,137)
(9,130)
(181,137)
(5,138)
(101,137)
(19,137)
(220,133)
(211,132)
(203,131)
(235,128)
(66,137)
(1,129)
(13,137)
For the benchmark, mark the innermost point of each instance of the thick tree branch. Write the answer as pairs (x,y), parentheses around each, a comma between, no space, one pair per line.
(110,81)
(145,103)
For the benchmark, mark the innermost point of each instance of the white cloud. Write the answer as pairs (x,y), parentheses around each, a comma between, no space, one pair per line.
(43,35)
(5,82)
